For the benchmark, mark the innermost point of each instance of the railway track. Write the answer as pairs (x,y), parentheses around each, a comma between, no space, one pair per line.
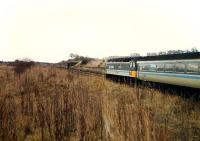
(89,71)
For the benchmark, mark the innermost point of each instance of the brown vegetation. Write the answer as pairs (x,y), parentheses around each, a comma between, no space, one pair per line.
(51,104)
(21,66)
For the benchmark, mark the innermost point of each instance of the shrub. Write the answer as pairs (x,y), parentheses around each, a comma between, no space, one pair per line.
(21,66)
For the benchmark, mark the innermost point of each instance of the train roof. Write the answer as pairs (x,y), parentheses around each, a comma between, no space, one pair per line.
(182,56)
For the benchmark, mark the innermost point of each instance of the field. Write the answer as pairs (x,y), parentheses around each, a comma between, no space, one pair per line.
(50,104)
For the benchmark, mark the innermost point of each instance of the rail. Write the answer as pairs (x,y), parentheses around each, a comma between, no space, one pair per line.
(96,71)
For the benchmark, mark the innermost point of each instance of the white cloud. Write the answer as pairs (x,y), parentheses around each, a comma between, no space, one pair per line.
(48,30)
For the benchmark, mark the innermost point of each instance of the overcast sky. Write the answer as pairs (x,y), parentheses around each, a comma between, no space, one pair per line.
(49,30)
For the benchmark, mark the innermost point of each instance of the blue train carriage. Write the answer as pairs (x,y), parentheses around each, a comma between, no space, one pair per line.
(124,69)
(184,72)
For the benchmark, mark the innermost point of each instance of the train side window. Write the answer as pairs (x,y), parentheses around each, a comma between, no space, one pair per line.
(192,68)
(160,67)
(180,67)
(199,67)
(169,67)
(125,66)
(119,66)
(147,67)
(110,66)
(142,67)
(116,66)
(152,67)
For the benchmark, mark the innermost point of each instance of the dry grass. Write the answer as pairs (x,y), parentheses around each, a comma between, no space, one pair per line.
(51,104)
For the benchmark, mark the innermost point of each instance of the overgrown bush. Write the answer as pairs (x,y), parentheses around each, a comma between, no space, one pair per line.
(21,66)
(48,104)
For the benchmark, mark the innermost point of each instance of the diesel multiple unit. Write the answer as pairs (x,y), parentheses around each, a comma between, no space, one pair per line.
(175,69)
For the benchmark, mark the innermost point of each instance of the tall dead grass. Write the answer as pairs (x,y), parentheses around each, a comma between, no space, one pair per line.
(50,104)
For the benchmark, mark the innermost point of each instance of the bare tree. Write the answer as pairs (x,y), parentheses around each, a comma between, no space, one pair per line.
(151,54)
(194,49)
(135,54)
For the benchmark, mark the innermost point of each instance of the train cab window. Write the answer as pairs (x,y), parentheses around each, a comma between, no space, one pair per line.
(132,65)
(169,67)
(160,67)
(180,67)
(192,68)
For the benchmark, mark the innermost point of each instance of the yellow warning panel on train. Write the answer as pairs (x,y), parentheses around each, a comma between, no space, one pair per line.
(133,73)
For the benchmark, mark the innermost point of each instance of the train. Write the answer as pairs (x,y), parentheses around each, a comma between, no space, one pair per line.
(174,69)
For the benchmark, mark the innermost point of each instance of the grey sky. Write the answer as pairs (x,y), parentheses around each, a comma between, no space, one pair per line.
(47,30)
